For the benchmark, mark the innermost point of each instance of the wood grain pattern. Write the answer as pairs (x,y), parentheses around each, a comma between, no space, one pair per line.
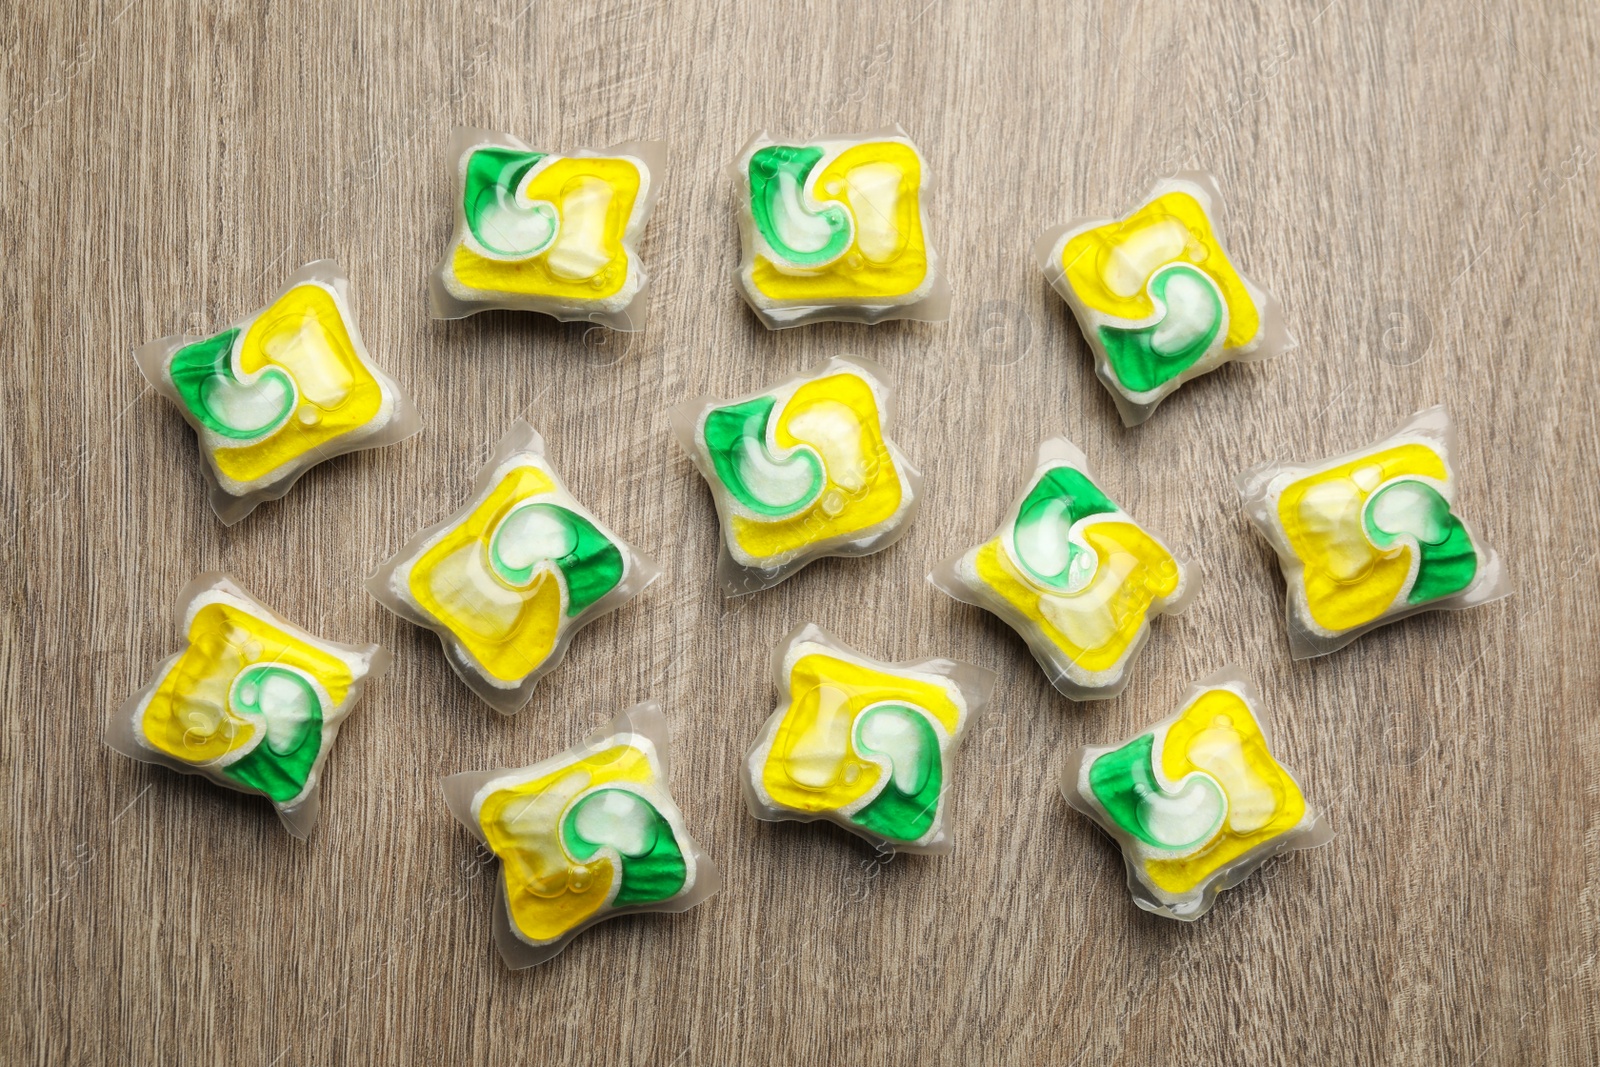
(1415,180)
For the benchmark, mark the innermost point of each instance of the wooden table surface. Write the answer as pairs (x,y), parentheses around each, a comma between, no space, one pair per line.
(1416,182)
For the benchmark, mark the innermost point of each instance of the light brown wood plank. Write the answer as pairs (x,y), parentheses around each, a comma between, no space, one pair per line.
(1417,183)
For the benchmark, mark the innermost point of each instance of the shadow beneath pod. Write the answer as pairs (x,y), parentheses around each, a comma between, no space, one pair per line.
(1081,356)
(803,347)
(333,475)
(570,344)
(218,811)
(801,842)
(1201,394)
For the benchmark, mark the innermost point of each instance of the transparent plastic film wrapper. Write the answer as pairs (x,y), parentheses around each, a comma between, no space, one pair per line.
(864,744)
(1372,536)
(836,229)
(1197,802)
(277,393)
(585,836)
(1157,296)
(802,471)
(546,232)
(252,702)
(509,579)
(1073,574)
